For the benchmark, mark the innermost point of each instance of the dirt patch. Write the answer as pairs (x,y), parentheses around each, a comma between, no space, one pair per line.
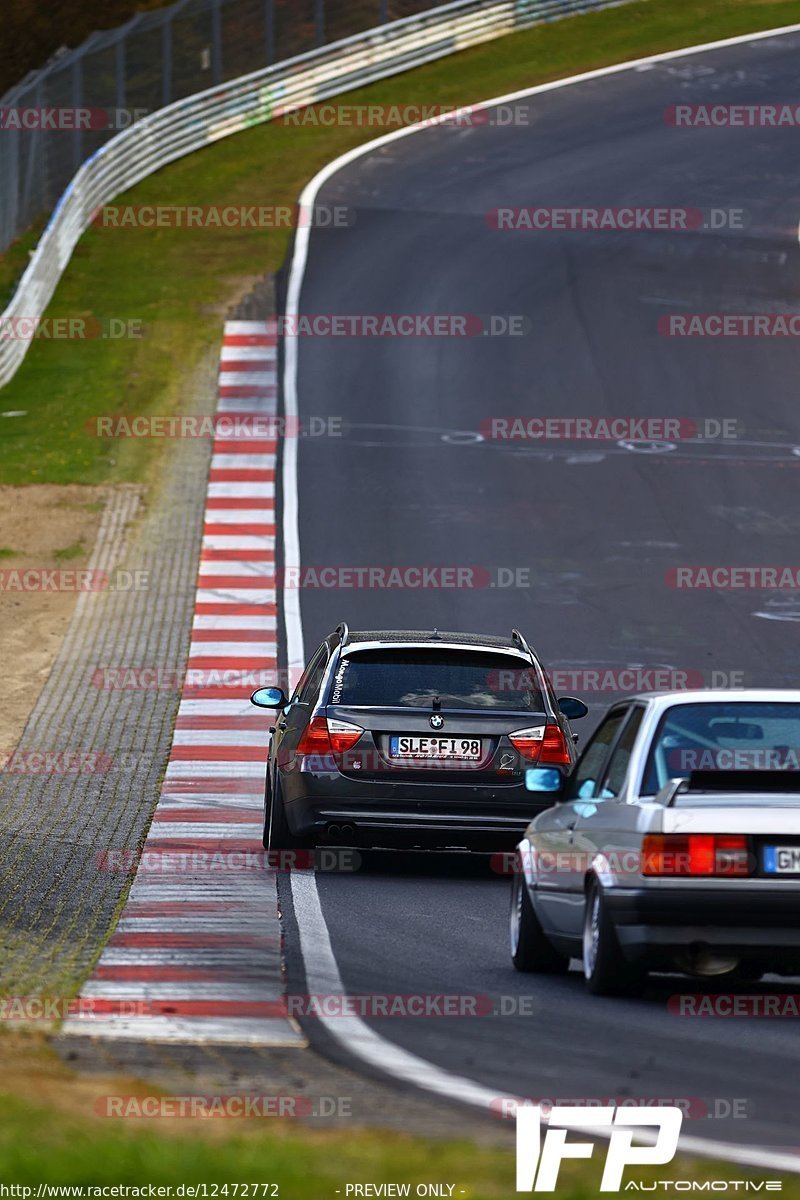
(42,528)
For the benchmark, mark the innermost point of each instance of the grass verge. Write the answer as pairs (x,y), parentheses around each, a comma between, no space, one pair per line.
(51,1133)
(180,282)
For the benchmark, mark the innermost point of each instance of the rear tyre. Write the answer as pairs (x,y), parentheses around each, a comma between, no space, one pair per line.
(267,810)
(530,950)
(277,834)
(605,969)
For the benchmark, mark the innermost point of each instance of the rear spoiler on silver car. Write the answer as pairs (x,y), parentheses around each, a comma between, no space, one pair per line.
(729,781)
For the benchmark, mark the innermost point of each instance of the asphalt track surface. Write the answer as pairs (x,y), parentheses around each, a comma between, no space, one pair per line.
(599,526)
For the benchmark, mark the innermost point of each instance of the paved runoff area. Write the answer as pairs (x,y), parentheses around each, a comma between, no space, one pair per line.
(195,956)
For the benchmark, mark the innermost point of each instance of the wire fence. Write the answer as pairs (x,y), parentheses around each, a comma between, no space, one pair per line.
(59,116)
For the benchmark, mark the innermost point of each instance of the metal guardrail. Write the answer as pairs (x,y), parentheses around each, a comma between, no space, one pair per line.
(199,120)
(59,115)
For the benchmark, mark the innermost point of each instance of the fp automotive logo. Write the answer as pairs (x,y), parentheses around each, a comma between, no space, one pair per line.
(538,1164)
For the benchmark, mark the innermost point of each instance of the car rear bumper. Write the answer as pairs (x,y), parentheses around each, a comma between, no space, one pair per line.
(436,815)
(653,926)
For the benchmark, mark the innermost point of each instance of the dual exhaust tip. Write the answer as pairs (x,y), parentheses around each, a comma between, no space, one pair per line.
(332,832)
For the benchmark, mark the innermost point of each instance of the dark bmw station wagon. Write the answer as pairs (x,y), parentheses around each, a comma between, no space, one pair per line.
(413,739)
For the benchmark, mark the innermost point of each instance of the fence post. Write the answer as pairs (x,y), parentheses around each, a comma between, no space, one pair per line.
(269,30)
(319,22)
(77,102)
(216,41)
(35,159)
(10,141)
(166,63)
(121,65)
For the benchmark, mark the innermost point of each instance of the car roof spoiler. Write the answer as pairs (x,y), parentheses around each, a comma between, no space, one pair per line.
(519,640)
(729,781)
(343,630)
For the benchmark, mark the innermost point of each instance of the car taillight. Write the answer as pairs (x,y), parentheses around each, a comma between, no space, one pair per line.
(528,742)
(315,739)
(343,734)
(541,744)
(554,747)
(718,854)
(323,735)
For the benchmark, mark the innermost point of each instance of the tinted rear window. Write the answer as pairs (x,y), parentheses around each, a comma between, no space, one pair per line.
(736,735)
(412,678)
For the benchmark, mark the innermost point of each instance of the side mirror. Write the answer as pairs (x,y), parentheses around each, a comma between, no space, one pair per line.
(572,708)
(545,779)
(269,697)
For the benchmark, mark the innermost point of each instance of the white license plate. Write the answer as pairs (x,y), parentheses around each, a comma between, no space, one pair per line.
(782,860)
(402,746)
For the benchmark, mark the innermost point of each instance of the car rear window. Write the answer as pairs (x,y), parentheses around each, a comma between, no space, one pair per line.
(414,678)
(723,736)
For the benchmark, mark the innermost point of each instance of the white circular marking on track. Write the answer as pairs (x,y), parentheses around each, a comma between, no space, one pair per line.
(647,446)
(463,437)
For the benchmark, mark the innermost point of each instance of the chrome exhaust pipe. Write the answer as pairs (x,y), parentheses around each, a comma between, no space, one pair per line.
(333,831)
(701,961)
